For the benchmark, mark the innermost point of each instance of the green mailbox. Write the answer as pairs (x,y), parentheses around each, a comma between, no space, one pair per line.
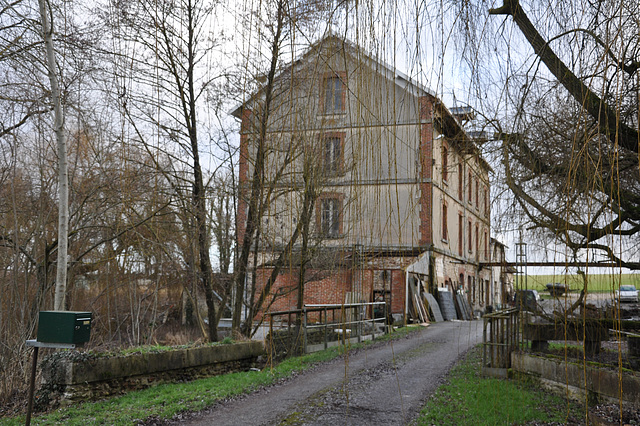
(64,327)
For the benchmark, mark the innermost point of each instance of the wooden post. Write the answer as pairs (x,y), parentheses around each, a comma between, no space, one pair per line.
(32,385)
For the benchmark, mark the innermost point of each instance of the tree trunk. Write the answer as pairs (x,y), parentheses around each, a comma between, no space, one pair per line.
(307,210)
(199,195)
(255,197)
(63,187)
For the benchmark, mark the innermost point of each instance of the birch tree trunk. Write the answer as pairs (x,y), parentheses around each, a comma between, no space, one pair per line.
(63,187)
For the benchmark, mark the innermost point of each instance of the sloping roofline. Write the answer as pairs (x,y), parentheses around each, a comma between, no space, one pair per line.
(449,123)
(399,78)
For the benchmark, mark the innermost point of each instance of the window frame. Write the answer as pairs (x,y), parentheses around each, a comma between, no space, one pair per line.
(460,234)
(445,223)
(460,182)
(445,163)
(337,168)
(328,105)
(336,199)
(486,246)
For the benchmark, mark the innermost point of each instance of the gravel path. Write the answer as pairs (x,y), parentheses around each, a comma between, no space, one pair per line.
(385,384)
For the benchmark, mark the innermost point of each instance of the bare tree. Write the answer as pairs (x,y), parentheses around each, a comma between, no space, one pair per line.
(270,159)
(171,72)
(566,116)
(222,216)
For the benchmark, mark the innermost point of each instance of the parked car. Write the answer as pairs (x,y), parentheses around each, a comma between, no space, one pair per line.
(526,300)
(556,289)
(627,293)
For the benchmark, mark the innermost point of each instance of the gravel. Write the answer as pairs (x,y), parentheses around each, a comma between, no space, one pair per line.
(383,384)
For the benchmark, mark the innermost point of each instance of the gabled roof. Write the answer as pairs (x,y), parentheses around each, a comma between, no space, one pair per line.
(399,78)
(448,123)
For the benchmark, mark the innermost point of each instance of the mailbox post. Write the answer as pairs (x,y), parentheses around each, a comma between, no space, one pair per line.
(57,329)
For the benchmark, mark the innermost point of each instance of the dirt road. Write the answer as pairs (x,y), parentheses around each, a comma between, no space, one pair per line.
(385,384)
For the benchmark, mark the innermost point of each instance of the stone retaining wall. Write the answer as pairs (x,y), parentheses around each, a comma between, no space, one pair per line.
(79,377)
(590,382)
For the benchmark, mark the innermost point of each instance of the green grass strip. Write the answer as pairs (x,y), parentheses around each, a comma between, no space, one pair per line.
(470,399)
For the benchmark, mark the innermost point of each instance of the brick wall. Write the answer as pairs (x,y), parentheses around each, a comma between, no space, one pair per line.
(398,287)
(330,288)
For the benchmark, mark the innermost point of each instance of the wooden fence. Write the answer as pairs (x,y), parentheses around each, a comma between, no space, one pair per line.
(316,327)
(500,337)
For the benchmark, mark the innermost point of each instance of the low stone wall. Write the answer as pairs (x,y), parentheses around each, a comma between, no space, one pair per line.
(80,377)
(590,382)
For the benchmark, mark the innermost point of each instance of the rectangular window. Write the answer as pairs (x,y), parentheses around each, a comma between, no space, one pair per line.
(330,217)
(470,241)
(333,95)
(332,155)
(473,288)
(460,235)
(445,230)
(470,183)
(486,249)
(460,181)
(445,163)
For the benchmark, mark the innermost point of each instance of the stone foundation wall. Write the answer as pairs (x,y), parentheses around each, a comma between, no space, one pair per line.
(75,377)
(600,384)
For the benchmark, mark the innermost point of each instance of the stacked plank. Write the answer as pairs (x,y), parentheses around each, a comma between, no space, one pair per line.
(419,310)
(462,307)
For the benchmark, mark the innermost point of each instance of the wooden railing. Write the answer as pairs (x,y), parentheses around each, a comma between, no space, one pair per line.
(316,327)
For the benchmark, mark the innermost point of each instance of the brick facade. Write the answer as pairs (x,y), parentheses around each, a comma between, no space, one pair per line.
(329,287)
(412,184)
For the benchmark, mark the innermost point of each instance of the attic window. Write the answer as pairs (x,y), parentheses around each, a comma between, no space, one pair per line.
(333,95)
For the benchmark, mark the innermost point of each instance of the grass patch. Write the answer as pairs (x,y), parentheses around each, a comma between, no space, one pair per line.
(598,283)
(157,348)
(399,333)
(167,400)
(470,399)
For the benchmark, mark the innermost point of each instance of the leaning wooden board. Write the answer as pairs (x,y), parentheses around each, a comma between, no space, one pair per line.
(433,305)
(465,311)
